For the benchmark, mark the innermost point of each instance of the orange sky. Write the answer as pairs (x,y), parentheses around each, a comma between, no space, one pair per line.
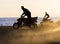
(11,8)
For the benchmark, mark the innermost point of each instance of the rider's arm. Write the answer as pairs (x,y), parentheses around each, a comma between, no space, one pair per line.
(23,14)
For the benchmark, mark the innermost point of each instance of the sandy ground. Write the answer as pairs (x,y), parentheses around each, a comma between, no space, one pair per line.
(46,33)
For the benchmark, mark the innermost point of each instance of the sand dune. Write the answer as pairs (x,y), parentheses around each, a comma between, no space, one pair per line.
(47,32)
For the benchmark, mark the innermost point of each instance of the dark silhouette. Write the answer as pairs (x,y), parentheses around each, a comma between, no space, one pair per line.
(46,16)
(29,21)
(25,22)
(26,12)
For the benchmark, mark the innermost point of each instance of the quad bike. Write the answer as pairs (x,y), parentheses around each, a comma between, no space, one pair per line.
(45,19)
(32,23)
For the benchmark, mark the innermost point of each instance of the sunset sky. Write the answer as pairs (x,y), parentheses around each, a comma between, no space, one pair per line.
(12,8)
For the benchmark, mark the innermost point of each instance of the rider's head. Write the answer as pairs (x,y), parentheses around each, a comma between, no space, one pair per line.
(22,7)
(45,12)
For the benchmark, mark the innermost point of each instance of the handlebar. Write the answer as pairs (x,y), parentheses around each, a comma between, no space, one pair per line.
(22,16)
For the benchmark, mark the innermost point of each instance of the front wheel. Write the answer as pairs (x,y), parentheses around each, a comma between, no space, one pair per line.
(15,26)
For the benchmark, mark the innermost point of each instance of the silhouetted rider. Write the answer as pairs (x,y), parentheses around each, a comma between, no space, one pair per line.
(26,12)
(46,15)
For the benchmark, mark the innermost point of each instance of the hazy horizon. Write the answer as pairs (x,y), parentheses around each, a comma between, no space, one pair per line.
(9,21)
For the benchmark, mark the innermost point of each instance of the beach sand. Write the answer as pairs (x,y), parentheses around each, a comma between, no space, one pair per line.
(46,32)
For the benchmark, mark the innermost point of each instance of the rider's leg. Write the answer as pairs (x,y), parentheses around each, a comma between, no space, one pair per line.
(48,16)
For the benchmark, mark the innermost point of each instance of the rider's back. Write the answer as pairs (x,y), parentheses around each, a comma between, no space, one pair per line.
(27,12)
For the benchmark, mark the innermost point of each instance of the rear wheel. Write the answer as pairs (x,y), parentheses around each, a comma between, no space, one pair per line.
(33,26)
(15,26)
